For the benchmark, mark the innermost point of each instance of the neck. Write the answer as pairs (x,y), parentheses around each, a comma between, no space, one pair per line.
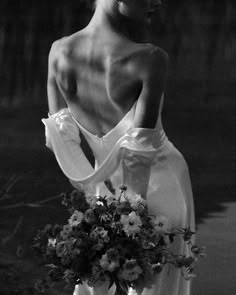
(109,18)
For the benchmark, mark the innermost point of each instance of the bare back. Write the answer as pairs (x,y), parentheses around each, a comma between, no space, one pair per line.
(100,78)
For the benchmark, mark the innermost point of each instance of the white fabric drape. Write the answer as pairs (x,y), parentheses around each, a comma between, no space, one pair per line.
(147,163)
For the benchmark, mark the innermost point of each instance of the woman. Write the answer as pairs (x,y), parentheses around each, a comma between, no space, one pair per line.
(106,83)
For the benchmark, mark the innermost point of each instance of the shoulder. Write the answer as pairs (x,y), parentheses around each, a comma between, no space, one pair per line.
(145,61)
(61,65)
(60,51)
(153,62)
(64,52)
(67,46)
(156,54)
(152,69)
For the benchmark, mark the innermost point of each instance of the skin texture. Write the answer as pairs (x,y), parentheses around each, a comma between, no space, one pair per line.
(100,72)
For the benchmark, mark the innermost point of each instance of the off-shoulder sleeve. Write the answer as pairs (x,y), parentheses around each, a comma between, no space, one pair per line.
(63,138)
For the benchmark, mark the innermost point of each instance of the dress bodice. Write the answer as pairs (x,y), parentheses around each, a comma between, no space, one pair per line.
(102,146)
(116,153)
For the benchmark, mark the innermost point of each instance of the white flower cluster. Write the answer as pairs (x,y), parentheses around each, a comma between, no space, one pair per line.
(131,223)
(76,218)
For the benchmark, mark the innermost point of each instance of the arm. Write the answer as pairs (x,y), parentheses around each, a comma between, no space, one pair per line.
(137,167)
(56,101)
(154,78)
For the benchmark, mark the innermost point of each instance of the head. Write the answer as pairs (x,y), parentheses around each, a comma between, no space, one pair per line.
(139,10)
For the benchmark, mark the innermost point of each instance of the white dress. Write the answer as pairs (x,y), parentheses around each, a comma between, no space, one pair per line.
(144,160)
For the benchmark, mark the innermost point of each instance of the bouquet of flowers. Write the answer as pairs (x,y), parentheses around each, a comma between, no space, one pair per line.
(110,238)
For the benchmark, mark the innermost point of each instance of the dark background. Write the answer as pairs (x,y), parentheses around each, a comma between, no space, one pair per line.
(199,113)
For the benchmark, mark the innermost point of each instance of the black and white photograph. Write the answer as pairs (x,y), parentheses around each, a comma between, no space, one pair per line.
(117,147)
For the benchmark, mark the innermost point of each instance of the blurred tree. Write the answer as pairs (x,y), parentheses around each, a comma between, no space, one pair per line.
(197,34)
